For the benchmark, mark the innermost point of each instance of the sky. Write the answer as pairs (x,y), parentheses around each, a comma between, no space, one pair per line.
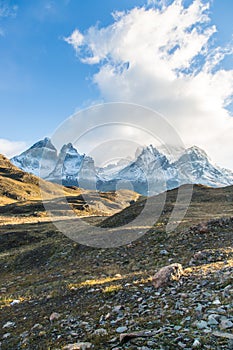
(58,57)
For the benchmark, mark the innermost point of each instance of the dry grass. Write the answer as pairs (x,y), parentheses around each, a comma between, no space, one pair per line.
(93,282)
(49,273)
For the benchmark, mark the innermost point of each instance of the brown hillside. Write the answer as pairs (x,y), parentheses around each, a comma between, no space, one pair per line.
(17,185)
(21,193)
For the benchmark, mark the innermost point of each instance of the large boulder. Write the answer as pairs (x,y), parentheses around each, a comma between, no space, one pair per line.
(167,274)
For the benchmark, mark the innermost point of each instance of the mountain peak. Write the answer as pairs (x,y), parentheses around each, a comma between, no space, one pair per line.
(38,159)
(69,149)
(151,165)
(45,143)
(197,152)
(151,149)
(149,153)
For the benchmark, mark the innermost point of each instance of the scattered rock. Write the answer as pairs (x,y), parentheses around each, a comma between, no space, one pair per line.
(163,252)
(125,337)
(14,302)
(223,335)
(212,320)
(204,228)
(78,346)
(37,326)
(196,344)
(24,334)
(100,331)
(9,324)
(54,316)
(188,312)
(117,308)
(6,335)
(121,329)
(201,324)
(42,333)
(226,324)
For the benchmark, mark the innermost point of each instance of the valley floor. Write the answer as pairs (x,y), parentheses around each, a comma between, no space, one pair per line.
(55,292)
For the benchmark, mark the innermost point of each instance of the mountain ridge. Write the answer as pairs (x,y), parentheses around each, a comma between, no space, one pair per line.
(150,173)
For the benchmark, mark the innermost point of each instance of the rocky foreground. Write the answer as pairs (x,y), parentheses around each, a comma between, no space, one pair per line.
(56,294)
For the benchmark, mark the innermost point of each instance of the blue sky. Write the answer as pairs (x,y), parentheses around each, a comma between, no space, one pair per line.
(42,82)
(42,79)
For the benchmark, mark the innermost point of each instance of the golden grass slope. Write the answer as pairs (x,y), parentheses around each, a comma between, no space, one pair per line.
(22,193)
(17,185)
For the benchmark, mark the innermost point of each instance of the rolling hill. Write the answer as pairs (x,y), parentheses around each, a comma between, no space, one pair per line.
(60,294)
(22,193)
(18,186)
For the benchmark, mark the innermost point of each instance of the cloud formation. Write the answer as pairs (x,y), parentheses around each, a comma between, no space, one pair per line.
(7,10)
(163,57)
(11,148)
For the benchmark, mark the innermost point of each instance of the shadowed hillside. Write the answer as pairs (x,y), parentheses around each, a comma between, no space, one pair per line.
(58,294)
(206,203)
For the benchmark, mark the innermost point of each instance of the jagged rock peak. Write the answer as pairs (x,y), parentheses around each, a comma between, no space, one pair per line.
(151,149)
(45,143)
(69,149)
(196,152)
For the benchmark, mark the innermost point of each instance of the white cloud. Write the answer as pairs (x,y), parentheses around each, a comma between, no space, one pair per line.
(11,148)
(7,10)
(163,57)
(76,39)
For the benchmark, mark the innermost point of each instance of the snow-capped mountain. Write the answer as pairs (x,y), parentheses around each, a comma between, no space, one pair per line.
(30,160)
(146,174)
(151,172)
(68,165)
(195,165)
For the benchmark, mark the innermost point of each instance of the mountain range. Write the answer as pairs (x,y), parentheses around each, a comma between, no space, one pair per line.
(150,173)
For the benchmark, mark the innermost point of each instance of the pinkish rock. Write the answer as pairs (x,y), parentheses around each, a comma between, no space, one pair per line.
(54,316)
(167,274)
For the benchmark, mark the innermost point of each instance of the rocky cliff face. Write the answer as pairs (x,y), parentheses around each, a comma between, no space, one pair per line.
(68,166)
